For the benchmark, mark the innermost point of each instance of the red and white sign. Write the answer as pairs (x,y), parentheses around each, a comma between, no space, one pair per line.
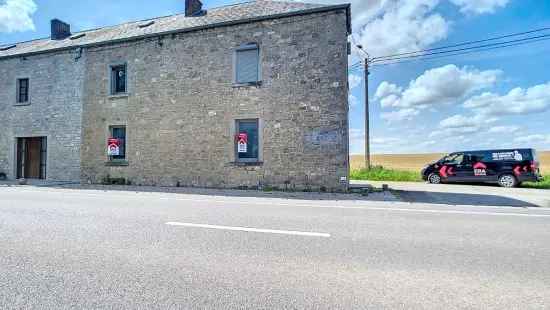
(113,147)
(480,169)
(242,143)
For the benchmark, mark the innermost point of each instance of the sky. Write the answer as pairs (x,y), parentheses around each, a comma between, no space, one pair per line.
(494,99)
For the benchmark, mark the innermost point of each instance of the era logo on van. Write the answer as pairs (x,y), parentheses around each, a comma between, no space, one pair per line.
(480,170)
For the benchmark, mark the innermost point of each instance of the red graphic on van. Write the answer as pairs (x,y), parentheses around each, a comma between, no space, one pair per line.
(446,171)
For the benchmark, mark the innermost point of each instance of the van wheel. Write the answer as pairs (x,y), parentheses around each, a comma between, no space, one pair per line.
(434,178)
(507,180)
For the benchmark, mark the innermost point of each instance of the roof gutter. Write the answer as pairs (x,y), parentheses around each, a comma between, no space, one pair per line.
(337,7)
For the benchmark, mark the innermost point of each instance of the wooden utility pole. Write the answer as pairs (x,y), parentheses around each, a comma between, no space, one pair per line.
(367,116)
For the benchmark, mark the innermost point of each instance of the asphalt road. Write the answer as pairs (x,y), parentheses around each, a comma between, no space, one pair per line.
(471,194)
(62,249)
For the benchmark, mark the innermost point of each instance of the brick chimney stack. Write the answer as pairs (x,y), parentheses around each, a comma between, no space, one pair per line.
(194,8)
(60,30)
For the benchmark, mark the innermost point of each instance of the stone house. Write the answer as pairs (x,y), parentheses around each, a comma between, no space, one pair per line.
(246,95)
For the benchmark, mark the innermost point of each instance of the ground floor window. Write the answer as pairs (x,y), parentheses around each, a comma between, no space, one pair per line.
(247,140)
(119,133)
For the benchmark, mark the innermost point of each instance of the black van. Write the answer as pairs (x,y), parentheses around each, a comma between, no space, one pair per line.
(508,168)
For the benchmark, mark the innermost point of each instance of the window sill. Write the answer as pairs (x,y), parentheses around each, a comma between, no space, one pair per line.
(247,163)
(21,104)
(119,96)
(249,84)
(117,163)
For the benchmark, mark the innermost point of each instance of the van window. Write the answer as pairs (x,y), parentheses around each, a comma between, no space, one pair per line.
(477,157)
(454,159)
(527,154)
(535,157)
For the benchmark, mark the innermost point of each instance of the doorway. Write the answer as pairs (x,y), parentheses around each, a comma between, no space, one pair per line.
(31,157)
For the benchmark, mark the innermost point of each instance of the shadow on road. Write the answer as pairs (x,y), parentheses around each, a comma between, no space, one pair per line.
(461,199)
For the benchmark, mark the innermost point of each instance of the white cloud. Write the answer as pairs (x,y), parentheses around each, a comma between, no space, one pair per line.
(354,81)
(518,101)
(454,132)
(462,121)
(531,139)
(387,27)
(399,115)
(539,141)
(458,125)
(504,129)
(16,15)
(479,6)
(435,87)
(402,26)
(386,89)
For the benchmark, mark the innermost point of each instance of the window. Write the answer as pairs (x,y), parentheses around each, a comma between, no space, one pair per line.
(248,128)
(119,132)
(454,159)
(22,90)
(247,64)
(118,80)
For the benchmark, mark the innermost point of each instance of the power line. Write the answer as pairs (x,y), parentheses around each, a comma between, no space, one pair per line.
(456,54)
(464,49)
(465,43)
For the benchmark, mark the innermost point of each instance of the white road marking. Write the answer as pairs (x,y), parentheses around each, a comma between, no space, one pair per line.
(248,229)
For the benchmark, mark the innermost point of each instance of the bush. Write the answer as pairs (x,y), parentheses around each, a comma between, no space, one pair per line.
(380,173)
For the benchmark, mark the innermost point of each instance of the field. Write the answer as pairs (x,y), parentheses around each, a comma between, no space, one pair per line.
(415,162)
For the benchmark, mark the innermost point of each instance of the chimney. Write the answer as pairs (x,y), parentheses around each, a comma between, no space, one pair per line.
(60,30)
(194,8)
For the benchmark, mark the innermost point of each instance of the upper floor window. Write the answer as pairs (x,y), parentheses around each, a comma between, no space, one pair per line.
(118,80)
(247,64)
(22,90)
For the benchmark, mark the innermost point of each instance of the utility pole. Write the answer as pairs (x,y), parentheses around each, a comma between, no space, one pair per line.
(368,60)
(367,116)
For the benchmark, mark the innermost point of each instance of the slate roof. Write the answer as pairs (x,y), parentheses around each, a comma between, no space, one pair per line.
(216,17)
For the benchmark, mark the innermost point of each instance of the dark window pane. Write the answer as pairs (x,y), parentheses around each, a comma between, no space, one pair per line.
(251,129)
(23,90)
(247,65)
(118,79)
(120,134)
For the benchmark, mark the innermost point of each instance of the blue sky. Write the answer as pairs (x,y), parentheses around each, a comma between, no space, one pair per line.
(494,99)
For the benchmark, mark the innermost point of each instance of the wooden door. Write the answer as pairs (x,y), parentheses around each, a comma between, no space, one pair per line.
(31,158)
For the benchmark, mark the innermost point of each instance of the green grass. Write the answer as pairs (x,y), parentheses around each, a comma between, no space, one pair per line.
(383,174)
(544,184)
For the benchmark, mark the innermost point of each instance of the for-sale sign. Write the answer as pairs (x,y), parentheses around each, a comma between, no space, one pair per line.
(242,143)
(113,147)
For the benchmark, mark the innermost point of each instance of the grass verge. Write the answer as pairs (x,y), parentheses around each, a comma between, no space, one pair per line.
(380,173)
(383,174)
(544,184)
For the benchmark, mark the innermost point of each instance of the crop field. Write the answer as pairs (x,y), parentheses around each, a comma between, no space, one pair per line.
(415,162)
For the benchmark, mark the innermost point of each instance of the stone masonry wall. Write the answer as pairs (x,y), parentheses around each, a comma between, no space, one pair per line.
(181,107)
(55,111)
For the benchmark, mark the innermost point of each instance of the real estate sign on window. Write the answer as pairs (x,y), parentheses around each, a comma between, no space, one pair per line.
(242,144)
(113,147)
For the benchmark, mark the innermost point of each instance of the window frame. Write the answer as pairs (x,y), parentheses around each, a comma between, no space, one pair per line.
(118,158)
(18,91)
(112,80)
(258,158)
(242,48)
